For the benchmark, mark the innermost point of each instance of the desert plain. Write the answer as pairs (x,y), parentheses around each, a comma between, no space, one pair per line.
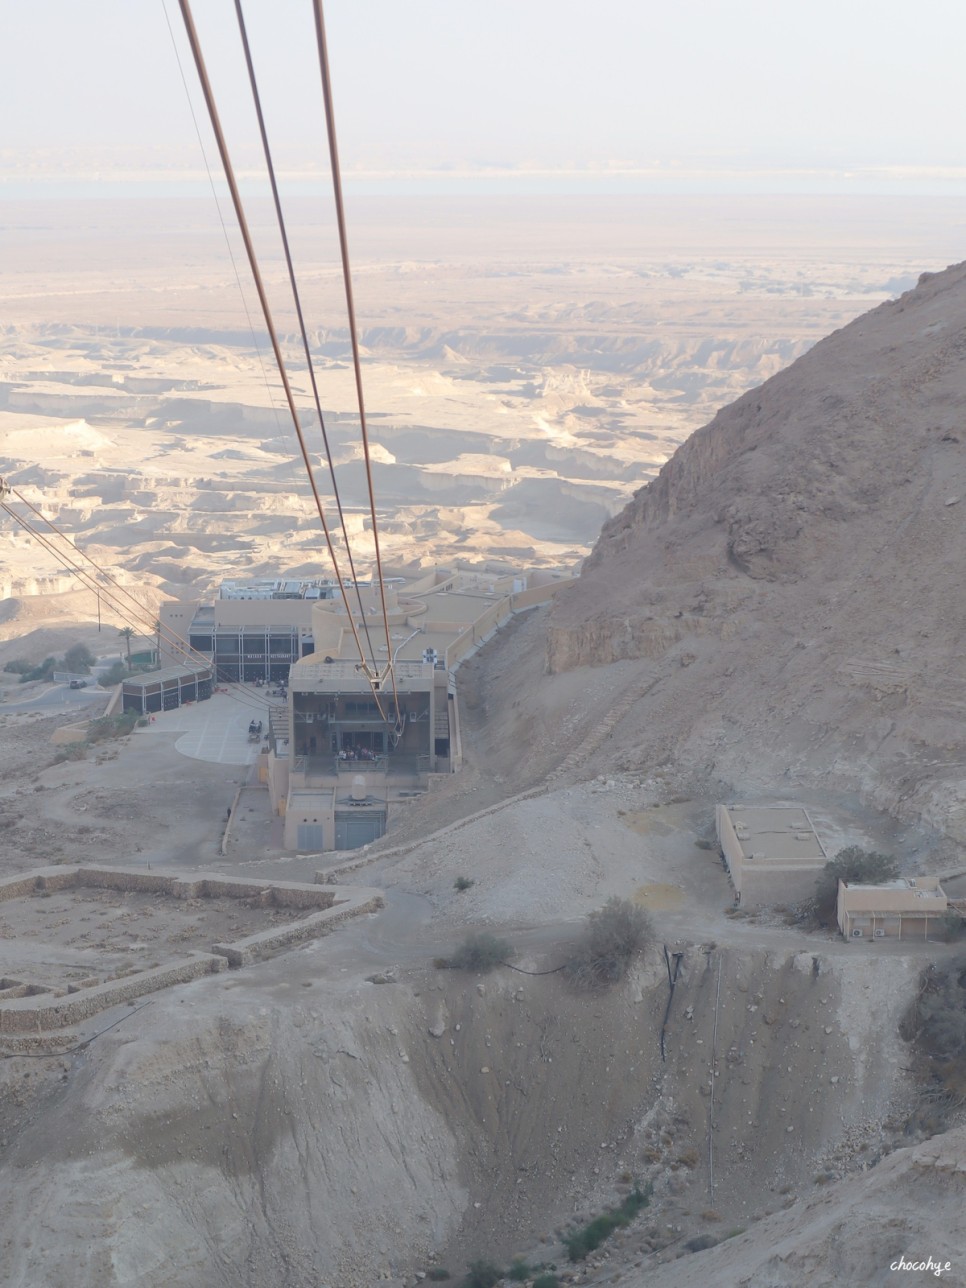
(345,1114)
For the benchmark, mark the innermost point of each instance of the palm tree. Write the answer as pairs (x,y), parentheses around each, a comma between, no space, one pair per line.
(127,632)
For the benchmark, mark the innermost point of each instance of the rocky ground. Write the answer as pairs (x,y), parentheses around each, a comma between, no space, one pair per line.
(299,1124)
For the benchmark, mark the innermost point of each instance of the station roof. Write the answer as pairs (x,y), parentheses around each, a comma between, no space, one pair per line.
(168,674)
(776,832)
(343,676)
(921,894)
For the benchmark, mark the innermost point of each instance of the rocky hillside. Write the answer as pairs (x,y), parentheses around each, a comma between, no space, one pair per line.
(795,570)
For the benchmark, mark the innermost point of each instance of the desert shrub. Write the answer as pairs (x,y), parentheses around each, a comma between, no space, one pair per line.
(519,1271)
(114,675)
(850,864)
(463,883)
(112,726)
(615,935)
(546,1281)
(70,751)
(951,927)
(482,1274)
(79,659)
(700,1242)
(18,666)
(479,953)
(41,672)
(581,1242)
(437,1275)
(936,1025)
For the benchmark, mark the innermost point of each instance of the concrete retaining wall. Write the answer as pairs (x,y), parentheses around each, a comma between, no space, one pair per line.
(244,951)
(25,1011)
(36,1014)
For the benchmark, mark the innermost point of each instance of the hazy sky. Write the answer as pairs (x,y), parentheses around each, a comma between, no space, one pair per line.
(536,84)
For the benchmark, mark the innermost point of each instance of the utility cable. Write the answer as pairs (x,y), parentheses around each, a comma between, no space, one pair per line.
(126,614)
(350,309)
(172,638)
(221,218)
(266,310)
(283,233)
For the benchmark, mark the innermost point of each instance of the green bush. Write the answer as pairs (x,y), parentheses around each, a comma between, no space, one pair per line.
(936,1025)
(615,935)
(482,1274)
(700,1242)
(580,1243)
(546,1281)
(478,953)
(519,1271)
(79,659)
(18,666)
(851,864)
(951,926)
(42,672)
(437,1274)
(114,675)
(112,726)
(463,883)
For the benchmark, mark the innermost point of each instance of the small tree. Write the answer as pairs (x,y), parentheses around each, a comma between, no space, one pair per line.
(114,675)
(615,935)
(851,864)
(128,633)
(79,659)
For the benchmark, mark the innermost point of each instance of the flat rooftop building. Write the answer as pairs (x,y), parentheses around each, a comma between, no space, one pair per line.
(166,689)
(772,852)
(906,908)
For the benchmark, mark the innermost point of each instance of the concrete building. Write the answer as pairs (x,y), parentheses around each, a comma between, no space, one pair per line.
(254,630)
(344,764)
(906,908)
(166,689)
(772,853)
(345,755)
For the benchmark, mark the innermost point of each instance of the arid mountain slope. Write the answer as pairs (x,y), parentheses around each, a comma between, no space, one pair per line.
(796,570)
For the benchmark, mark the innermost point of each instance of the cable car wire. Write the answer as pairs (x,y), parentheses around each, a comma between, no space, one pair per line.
(269,322)
(350,309)
(296,296)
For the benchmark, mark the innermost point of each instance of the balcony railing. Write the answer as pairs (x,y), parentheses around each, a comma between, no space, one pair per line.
(405,764)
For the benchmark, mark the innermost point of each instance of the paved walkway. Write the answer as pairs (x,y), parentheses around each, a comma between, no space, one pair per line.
(215,730)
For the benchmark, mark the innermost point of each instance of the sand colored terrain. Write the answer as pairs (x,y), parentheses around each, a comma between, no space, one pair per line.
(527,365)
(302,1125)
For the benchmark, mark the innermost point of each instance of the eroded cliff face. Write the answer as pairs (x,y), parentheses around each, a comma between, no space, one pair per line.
(795,569)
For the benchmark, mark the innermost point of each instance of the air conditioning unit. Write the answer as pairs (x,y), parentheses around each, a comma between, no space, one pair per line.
(430,655)
(879,934)
(856,934)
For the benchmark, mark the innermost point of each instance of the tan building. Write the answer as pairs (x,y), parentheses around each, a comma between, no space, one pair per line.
(345,755)
(906,908)
(251,632)
(345,762)
(772,853)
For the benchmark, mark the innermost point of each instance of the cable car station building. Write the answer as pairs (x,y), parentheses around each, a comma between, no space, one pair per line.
(346,756)
(253,631)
